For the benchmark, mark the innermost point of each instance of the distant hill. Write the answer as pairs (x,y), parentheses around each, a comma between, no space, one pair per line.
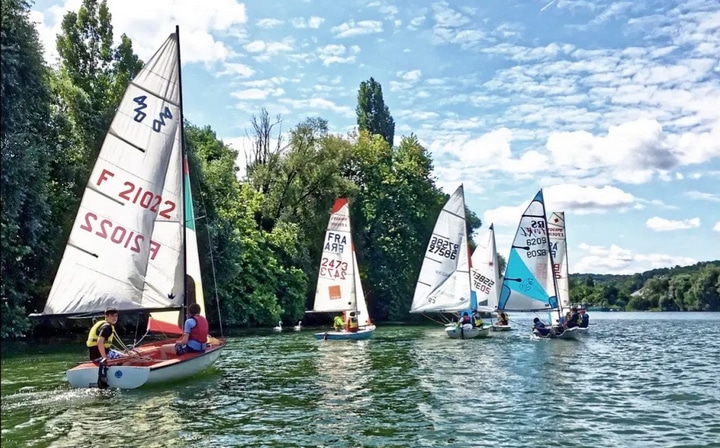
(680,288)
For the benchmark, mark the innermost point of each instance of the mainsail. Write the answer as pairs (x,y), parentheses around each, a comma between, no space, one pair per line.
(126,245)
(337,287)
(527,286)
(444,281)
(485,273)
(558,246)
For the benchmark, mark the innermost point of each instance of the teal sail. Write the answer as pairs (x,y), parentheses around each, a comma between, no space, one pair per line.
(527,285)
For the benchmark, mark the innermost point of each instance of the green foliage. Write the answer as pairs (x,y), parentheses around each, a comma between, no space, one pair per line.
(372,113)
(686,288)
(260,238)
(26,130)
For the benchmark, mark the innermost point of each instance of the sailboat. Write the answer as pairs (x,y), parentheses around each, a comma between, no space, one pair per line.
(558,247)
(133,244)
(339,288)
(527,284)
(485,277)
(443,285)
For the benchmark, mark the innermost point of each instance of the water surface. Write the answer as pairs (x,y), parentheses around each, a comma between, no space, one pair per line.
(640,380)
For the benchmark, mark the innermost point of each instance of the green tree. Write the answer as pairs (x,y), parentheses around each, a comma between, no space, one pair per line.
(372,113)
(26,148)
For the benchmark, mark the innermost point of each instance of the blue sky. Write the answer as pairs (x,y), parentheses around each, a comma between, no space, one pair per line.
(611,107)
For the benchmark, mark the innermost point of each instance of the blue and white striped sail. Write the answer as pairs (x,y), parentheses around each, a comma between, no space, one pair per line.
(527,285)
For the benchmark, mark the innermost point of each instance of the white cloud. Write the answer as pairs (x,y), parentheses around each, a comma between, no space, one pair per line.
(588,199)
(664,225)
(198,26)
(416,22)
(269,23)
(264,51)
(617,260)
(638,147)
(235,68)
(336,54)
(351,28)
(410,76)
(716,227)
(257,94)
(313,22)
(318,104)
(699,195)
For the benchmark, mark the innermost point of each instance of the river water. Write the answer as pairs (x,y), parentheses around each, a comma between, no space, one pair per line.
(640,380)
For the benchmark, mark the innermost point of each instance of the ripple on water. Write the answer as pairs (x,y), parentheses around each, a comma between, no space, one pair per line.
(633,383)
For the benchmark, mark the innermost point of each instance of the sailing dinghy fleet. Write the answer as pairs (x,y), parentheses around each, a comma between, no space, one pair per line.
(535,279)
(133,246)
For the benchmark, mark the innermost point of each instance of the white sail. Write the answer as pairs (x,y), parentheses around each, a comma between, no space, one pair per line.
(527,285)
(125,246)
(336,286)
(444,281)
(485,273)
(558,244)
(363,314)
(170,322)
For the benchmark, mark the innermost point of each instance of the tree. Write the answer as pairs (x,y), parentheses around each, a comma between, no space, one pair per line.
(26,145)
(372,113)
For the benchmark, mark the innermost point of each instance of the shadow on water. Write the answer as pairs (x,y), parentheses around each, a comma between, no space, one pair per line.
(633,381)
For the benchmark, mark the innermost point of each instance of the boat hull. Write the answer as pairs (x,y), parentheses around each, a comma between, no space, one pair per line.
(501,328)
(570,333)
(365,333)
(460,333)
(134,374)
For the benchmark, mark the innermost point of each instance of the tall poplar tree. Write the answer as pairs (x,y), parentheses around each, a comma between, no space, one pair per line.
(372,113)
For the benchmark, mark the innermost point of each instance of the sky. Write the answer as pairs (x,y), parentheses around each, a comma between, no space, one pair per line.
(611,107)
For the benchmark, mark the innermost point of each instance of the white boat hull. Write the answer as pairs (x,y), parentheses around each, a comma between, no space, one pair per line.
(570,333)
(145,372)
(467,333)
(501,328)
(361,334)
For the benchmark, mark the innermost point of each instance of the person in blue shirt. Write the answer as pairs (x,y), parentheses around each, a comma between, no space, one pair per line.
(572,321)
(539,328)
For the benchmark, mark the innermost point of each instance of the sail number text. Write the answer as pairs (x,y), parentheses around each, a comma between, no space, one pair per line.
(334,269)
(140,113)
(108,230)
(482,283)
(336,242)
(443,248)
(144,198)
(538,241)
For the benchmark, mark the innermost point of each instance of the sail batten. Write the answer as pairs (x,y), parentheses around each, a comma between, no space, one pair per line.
(444,280)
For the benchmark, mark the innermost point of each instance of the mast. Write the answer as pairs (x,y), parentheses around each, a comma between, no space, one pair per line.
(182,173)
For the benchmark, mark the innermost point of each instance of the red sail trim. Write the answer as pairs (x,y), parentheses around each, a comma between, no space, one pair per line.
(157,326)
(339,203)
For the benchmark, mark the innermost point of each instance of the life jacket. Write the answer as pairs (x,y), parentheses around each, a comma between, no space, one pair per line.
(585,320)
(199,332)
(338,321)
(478,322)
(352,324)
(92,340)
